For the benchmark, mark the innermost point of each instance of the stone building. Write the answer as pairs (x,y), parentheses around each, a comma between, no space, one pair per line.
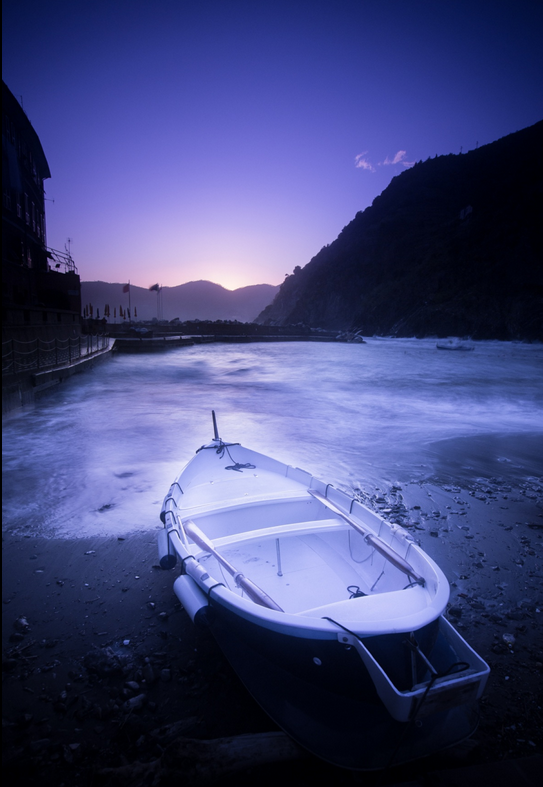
(41,290)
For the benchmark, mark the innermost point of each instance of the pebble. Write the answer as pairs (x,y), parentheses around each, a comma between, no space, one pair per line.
(456,612)
(136,703)
(40,745)
(149,674)
(21,624)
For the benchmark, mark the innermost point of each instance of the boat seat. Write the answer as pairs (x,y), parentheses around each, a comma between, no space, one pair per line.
(245,501)
(392,606)
(280,531)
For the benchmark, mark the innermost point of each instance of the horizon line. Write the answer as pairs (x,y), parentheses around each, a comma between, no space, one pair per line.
(172,286)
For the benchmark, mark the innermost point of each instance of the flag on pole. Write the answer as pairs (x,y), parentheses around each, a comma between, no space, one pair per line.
(154,288)
(126,287)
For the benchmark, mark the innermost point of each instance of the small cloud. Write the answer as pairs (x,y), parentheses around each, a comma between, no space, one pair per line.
(400,155)
(362,163)
(399,158)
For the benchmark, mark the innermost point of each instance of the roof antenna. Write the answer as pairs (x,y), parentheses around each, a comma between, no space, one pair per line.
(215,426)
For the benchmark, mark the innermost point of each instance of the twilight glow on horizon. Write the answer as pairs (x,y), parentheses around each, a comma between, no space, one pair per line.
(230,140)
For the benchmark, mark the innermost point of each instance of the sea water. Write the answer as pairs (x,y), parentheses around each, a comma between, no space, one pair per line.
(97,454)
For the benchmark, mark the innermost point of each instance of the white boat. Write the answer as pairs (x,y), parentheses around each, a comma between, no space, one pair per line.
(330,615)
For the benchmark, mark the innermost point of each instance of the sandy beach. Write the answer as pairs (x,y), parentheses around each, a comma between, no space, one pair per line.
(103,671)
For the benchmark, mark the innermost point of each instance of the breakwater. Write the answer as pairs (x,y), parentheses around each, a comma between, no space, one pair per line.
(140,338)
(134,344)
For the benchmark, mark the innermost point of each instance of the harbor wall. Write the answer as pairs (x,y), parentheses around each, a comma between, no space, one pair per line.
(24,388)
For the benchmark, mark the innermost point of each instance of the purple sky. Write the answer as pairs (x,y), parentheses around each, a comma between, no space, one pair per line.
(230,140)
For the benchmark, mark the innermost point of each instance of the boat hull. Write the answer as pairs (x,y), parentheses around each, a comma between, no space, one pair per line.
(318,693)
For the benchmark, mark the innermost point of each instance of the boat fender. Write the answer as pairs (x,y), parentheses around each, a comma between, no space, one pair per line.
(193,600)
(166,553)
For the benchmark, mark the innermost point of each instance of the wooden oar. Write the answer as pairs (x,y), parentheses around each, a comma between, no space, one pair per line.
(372,540)
(255,593)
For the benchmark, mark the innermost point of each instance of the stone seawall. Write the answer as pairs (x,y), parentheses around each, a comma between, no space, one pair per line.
(22,389)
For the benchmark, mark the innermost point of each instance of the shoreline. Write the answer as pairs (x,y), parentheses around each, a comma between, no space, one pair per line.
(98,655)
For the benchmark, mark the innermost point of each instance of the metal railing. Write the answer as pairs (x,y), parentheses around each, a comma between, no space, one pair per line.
(39,355)
(62,259)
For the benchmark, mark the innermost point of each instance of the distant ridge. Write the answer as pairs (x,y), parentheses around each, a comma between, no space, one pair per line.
(195,300)
(452,247)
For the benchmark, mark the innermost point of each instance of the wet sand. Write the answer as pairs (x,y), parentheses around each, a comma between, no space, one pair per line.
(102,669)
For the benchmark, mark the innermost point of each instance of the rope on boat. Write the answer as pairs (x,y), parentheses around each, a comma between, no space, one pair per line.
(184,560)
(355,591)
(170,496)
(216,585)
(239,467)
(219,449)
(463,664)
(223,447)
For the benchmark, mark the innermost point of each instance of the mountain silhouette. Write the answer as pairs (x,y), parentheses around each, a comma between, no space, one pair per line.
(452,247)
(195,300)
